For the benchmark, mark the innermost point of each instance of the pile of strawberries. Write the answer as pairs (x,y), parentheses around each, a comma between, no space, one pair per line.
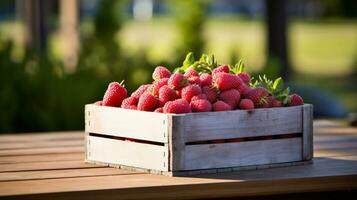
(201,86)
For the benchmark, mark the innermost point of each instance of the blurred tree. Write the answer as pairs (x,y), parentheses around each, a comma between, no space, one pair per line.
(190,18)
(100,51)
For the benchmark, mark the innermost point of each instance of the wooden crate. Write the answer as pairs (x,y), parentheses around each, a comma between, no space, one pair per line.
(185,144)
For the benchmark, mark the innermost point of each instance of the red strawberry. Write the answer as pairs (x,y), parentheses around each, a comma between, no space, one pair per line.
(231,97)
(114,95)
(132,107)
(178,92)
(166,94)
(221,106)
(130,101)
(206,79)
(159,110)
(161,72)
(221,69)
(155,87)
(210,92)
(148,102)
(200,96)
(194,80)
(225,81)
(295,100)
(201,105)
(246,104)
(98,103)
(245,77)
(243,88)
(257,95)
(138,92)
(189,91)
(273,102)
(191,72)
(177,106)
(177,81)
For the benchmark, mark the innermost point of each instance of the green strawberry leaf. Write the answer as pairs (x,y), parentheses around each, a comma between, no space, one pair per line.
(203,58)
(237,68)
(278,84)
(240,66)
(189,60)
(284,96)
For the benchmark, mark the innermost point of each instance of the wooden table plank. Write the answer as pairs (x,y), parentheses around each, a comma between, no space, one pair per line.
(77,164)
(42,158)
(46,136)
(335,152)
(44,150)
(42,144)
(62,173)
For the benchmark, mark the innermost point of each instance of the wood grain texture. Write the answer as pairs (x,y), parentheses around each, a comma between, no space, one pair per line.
(44,150)
(41,158)
(242,153)
(243,123)
(126,123)
(41,144)
(307,142)
(36,137)
(14,167)
(127,153)
(61,173)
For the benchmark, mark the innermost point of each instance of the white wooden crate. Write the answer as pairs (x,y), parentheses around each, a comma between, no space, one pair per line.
(184,144)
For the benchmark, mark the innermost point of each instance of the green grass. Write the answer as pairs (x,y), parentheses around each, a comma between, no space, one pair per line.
(322,49)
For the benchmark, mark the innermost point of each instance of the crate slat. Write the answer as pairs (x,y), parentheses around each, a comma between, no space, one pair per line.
(242,153)
(126,123)
(242,123)
(119,152)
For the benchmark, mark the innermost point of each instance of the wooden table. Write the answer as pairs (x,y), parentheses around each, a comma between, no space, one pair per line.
(50,165)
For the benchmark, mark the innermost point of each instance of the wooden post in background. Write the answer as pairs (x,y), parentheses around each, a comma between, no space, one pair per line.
(69,24)
(276,22)
(35,15)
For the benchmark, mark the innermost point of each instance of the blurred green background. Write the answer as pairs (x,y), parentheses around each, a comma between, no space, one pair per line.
(58,55)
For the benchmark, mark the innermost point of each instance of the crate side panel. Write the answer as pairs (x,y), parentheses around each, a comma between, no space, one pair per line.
(243,123)
(127,153)
(243,153)
(126,123)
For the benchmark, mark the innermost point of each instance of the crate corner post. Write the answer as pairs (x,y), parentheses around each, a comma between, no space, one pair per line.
(308,149)
(177,140)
